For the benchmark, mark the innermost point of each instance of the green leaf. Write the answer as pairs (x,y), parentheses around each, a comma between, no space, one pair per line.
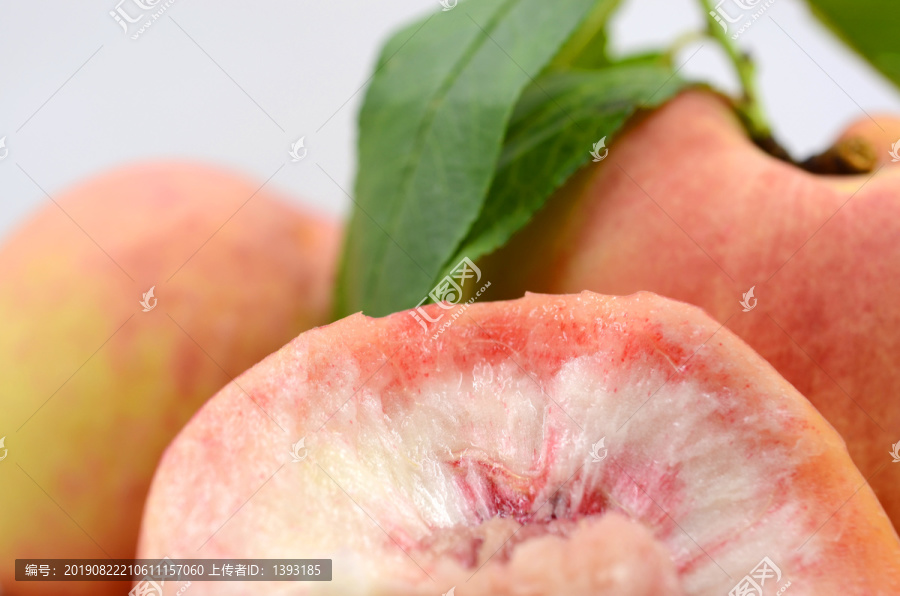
(551,134)
(871,27)
(587,46)
(431,129)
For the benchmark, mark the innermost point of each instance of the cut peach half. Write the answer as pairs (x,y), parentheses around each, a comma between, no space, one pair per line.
(577,444)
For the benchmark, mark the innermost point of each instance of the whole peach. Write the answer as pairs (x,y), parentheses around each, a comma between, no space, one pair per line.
(98,374)
(688,207)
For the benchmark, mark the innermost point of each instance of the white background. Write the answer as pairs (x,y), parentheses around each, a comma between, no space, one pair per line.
(235,83)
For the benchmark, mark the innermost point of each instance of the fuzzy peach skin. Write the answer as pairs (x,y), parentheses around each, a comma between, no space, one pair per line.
(685,206)
(93,388)
(579,444)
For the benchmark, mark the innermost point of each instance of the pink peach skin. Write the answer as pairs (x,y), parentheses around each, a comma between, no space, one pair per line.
(687,207)
(93,387)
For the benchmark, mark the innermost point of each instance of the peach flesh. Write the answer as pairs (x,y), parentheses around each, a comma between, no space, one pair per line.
(423,457)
